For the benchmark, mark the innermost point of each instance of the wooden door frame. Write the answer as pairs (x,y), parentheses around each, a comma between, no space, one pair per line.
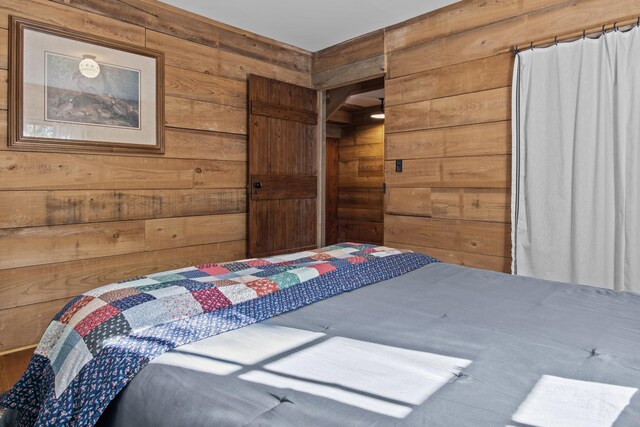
(322,146)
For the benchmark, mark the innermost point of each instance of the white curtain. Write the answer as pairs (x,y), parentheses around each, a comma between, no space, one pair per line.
(576,161)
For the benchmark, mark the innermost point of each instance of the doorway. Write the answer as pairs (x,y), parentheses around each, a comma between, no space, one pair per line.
(354,197)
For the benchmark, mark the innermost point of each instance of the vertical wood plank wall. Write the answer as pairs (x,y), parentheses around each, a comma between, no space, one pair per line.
(71,222)
(360,178)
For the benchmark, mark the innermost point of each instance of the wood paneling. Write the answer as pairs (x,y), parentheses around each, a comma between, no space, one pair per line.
(478,107)
(486,262)
(77,207)
(182,53)
(487,238)
(192,144)
(448,118)
(12,365)
(499,36)
(71,222)
(472,140)
(408,201)
(50,13)
(489,73)
(177,22)
(355,60)
(42,283)
(485,171)
(350,73)
(474,204)
(189,84)
(43,245)
(360,178)
(360,231)
(188,231)
(193,114)
(40,171)
(23,326)
(353,50)
(457,18)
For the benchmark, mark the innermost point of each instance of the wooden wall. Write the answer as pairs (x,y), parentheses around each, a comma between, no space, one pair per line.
(360,178)
(71,222)
(448,99)
(355,60)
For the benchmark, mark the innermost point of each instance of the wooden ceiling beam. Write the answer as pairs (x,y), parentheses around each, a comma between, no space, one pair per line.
(336,97)
(340,117)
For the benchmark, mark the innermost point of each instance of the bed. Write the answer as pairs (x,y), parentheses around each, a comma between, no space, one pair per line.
(431,344)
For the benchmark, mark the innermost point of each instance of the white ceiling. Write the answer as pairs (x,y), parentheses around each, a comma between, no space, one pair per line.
(367,99)
(309,24)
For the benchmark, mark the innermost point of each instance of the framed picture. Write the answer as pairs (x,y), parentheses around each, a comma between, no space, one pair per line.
(73,91)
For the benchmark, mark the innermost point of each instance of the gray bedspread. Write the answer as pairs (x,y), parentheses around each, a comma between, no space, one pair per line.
(441,346)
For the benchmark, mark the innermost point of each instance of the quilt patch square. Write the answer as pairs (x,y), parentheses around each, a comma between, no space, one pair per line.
(286,279)
(67,306)
(256,262)
(75,307)
(167,277)
(161,285)
(95,318)
(192,285)
(238,293)
(73,363)
(320,256)
(213,269)
(182,305)
(147,314)
(111,329)
(132,301)
(211,299)
(223,283)
(85,311)
(323,268)
(263,286)
(235,266)
(117,294)
(356,259)
(51,336)
(168,291)
(193,273)
(245,279)
(66,345)
(305,273)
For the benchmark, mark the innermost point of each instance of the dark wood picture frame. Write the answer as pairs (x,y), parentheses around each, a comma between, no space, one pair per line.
(100,105)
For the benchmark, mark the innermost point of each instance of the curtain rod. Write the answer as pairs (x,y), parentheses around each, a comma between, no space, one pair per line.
(623,25)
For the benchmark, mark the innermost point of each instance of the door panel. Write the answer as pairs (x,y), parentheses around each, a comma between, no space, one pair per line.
(283,167)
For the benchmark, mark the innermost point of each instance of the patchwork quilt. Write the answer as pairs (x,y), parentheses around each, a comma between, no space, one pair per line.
(102,338)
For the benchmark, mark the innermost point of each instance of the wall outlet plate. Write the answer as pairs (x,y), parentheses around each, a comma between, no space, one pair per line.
(398,165)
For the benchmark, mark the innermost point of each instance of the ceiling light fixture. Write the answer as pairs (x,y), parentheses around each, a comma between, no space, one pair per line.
(379,115)
(89,67)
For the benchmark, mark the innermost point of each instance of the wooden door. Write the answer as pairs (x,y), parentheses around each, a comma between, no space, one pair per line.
(283,167)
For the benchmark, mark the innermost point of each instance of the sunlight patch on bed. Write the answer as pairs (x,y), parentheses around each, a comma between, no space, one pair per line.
(226,353)
(556,401)
(348,397)
(392,373)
